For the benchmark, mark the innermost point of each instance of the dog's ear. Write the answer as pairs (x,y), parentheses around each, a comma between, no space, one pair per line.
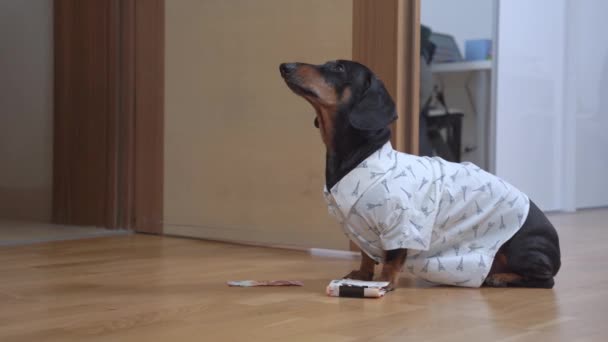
(375,109)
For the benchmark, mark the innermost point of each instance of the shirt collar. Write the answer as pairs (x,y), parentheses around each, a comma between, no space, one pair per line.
(345,193)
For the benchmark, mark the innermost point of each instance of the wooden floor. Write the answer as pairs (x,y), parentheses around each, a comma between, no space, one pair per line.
(147,288)
(15,232)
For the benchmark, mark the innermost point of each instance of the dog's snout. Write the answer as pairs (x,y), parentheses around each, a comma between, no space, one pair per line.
(287,68)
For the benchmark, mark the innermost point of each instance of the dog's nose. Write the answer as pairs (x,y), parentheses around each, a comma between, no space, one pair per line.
(287,68)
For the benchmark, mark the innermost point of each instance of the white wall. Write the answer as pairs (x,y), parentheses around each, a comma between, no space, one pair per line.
(464,19)
(26,67)
(529,101)
(587,77)
(552,108)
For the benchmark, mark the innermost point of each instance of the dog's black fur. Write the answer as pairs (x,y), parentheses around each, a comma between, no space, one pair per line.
(533,252)
(361,127)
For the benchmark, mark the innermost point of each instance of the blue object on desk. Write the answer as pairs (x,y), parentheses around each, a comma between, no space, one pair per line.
(478,49)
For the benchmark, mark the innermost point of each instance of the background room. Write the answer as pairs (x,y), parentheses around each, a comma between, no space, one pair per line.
(150,151)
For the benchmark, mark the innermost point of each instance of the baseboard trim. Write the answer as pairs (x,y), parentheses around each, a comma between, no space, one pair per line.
(316,252)
(334,253)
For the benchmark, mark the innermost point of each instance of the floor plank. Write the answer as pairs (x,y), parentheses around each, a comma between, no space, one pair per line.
(18,232)
(140,288)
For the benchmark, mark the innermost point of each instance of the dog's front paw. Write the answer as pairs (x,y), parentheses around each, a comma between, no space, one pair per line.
(359,275)
(390,287)
(392,283)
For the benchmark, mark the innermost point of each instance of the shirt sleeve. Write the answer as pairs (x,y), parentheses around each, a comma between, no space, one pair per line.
(403,226)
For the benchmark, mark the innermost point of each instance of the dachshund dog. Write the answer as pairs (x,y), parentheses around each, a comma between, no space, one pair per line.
(447,223)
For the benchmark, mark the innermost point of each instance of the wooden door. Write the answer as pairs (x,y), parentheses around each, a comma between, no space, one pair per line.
(108,113)
(386,37)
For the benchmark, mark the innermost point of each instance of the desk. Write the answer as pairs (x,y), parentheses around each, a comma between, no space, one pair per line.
(478,84)
(466,66)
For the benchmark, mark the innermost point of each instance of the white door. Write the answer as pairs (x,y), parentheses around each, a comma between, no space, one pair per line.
(529,98)
(587,97)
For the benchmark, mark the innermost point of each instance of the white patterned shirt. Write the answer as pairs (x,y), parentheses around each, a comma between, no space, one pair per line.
(451,217)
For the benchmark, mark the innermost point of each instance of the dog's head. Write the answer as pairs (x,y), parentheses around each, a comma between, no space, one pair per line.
(342,93)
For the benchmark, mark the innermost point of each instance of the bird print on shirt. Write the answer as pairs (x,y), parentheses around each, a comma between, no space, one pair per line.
(490,225)
(460,266)
(495,246)
(473,247)
(371,206)
(452,199)
(500,201)
(392,168)
(426,211)
(482,263)
(385,185)
(475,229)
(440,267)
(355,192)
(376,174)
(425,269)
(503,184)
(401,174)
(411,170)
(478,208)
(502,223)
(444,224)
(421,163)
(480,189)
(409,195)
(489,185)
(423,183)
(417,226)
(453,176)
(512,203)
(456,249)
(520,218)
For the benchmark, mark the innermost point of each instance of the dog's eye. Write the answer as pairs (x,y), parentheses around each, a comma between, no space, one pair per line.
(339,67)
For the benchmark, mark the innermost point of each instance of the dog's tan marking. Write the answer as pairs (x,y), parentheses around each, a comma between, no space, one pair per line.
(392,268)
(502,279)
(500,263)
(365,271)
(325,102)
(346,94)
(326,124)
(310,78)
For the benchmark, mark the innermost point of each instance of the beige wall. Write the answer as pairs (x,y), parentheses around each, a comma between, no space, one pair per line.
(26,68)
(242,158)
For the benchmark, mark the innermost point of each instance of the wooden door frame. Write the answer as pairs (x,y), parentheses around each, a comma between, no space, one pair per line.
(386,37)
(117,63)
